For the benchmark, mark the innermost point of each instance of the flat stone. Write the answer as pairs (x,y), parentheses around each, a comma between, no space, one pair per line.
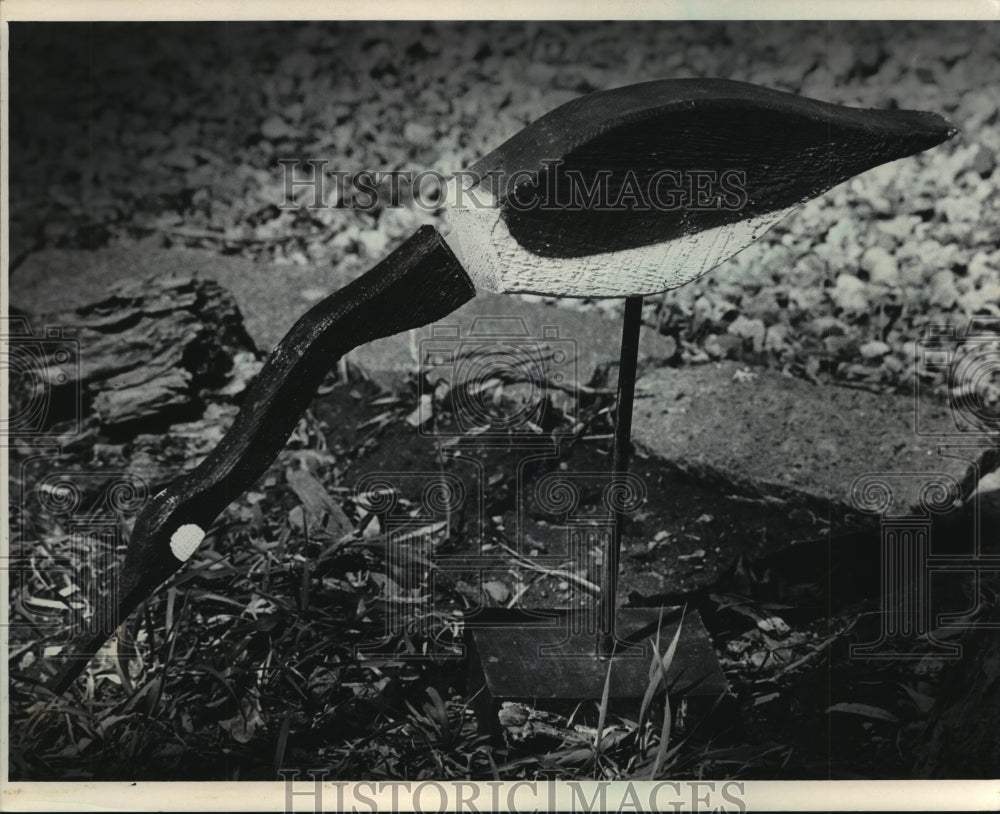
(553,662)
(762,433)
(272,297)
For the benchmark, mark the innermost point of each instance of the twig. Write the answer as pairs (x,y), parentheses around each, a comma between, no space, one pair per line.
(524,562)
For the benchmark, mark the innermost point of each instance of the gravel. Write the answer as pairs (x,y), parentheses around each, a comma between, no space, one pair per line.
(173,132)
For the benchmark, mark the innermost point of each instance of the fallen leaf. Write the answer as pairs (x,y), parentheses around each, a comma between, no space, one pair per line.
(243,727)
(318,507)
(865,711)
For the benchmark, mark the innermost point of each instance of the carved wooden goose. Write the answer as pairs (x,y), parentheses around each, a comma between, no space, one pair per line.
(643,160)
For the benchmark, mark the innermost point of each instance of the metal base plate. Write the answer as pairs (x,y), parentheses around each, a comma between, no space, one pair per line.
(537,659)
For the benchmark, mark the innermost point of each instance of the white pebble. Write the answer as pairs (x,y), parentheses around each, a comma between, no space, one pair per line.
(881,266)
(849,294)
(874,350)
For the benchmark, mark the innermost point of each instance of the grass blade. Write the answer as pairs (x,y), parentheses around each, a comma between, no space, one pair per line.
(602,714)
(668,657)
(647,698)
(656,674)
(663,665)
(279,751)
(661,750)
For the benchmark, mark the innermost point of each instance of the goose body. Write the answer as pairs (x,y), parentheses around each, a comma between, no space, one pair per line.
(642,189)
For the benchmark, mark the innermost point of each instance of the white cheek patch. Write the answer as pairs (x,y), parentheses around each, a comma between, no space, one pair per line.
(185,541)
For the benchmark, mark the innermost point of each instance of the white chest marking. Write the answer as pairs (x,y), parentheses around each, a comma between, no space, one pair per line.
(186,540)
(497,262)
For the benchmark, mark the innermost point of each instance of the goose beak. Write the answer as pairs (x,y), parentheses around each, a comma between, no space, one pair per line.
(120,602)
(152,557)
(914,131)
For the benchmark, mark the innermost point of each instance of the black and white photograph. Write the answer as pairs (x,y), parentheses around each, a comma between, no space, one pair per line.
(500,414)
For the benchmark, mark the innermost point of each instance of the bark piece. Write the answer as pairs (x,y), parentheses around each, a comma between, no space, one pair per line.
(151,351)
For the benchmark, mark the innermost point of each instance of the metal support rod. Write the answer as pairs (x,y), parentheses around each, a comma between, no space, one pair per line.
(628,362)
